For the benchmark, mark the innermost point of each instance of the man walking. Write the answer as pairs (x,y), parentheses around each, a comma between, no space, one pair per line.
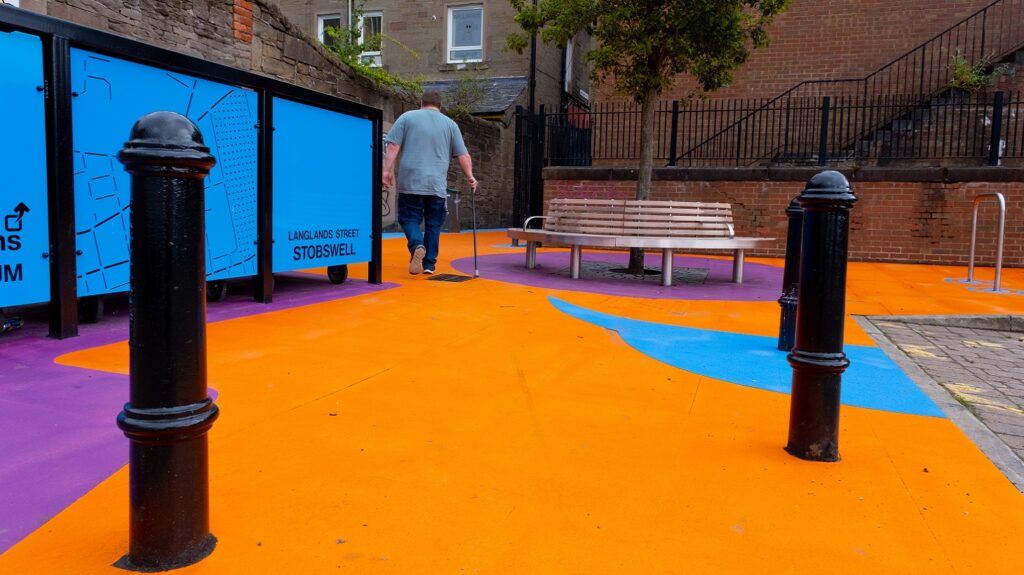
(425,140)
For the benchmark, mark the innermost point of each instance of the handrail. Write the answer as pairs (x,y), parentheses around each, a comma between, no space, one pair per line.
(914,76)
(999,242)
(763,107)
(526,224)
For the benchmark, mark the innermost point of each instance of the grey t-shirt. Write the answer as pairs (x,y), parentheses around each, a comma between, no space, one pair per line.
(429,141)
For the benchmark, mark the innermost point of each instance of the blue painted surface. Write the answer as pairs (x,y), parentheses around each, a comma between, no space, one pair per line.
(112,95)
(24,228)
(323,187)
(872,380)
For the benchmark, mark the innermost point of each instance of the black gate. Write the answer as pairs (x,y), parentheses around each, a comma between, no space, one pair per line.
(528,193)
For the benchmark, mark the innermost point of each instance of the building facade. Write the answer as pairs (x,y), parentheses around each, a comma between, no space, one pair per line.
(442,42)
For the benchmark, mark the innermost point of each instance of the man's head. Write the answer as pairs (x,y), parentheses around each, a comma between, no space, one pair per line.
(431,98)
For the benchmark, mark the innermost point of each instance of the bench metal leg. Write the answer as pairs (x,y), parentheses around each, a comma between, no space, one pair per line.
(737,266)
(666,267)
(531,255)
(575,257)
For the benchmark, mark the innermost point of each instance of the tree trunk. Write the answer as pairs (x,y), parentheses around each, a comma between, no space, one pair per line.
(643,182)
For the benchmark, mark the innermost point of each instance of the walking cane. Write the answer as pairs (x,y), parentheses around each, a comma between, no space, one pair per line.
(472,201)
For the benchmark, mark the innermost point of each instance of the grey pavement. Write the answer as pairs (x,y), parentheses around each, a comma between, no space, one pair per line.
(973,367)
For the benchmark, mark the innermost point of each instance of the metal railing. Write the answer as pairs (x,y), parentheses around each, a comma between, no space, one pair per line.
(985,36)
(972,128)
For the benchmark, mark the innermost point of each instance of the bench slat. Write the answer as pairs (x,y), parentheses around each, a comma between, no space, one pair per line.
(645,213)
(666,219)
(722,227)
(635,203)
(653,232)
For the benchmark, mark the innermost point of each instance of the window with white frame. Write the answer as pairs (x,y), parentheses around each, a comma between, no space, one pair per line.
(466,34)
(370,29)
(325,21)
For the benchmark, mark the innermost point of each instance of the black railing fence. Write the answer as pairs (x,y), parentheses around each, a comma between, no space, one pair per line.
(897,111)
(978,128)
(986,36)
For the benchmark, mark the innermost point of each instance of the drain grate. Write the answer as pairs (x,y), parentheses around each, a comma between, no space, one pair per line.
(608,270)
(449,278)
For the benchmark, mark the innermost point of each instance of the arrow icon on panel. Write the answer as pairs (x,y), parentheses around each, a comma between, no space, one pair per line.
(12,223)
(20,209)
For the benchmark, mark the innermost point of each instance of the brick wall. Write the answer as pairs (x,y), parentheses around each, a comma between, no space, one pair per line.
(254,35)
(832,39)
(912,216)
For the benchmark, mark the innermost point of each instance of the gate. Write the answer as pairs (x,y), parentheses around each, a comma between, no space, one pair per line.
(528,182)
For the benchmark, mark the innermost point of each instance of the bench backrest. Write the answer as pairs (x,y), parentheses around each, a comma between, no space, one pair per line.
(640,218)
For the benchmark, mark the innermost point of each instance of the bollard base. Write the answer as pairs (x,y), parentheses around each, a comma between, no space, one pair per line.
(190,557)
(825,454)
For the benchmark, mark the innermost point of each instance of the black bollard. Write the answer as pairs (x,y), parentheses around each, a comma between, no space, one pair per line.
(790,276)
(169,411)
(818,360)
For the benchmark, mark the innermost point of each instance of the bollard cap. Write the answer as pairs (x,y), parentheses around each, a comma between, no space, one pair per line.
(828,186)
(794,207)
(166,143)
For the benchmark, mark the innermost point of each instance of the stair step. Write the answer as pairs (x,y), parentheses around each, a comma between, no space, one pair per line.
(902,125)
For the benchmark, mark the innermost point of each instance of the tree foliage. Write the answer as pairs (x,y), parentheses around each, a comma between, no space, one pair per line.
(346,43)
(469,91)
(642,46)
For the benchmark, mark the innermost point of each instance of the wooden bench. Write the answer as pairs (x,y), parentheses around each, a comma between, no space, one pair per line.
(619,224)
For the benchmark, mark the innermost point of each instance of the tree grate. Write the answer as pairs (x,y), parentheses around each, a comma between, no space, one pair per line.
(449,278)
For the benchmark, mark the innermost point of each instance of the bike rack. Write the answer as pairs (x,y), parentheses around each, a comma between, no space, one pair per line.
(999,241)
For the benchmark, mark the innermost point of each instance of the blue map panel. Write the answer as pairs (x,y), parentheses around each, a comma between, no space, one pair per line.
(109,96)
(323,187)
(24,228)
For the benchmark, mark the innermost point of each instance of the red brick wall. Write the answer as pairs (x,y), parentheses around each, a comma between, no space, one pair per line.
(894,221)
(832,39)
(241,25)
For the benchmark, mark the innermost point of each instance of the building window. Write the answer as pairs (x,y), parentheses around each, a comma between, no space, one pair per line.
(370,29)
(325,21)
(465,34)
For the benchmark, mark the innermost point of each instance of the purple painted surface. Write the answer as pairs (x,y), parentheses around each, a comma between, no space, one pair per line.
(58,437)
(760,282)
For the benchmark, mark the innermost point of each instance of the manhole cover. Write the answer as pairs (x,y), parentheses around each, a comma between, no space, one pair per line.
(449,278)
(625,271)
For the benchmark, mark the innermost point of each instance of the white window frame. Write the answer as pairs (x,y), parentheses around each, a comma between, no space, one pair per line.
(451,30)
(320,24)
(372,58)
(14,3)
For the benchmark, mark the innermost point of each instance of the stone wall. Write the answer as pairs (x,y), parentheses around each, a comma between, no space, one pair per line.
(416,38)
(255,36)
(920,215)
(492,166)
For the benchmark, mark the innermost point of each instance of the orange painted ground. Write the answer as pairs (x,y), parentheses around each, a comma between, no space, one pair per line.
(472,428)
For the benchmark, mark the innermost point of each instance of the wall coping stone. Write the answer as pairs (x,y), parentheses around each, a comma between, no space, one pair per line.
(794,174)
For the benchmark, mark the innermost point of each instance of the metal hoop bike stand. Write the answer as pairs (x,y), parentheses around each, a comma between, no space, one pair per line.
(999,242)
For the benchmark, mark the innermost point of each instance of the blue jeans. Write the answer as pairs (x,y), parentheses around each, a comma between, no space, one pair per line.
(432,211)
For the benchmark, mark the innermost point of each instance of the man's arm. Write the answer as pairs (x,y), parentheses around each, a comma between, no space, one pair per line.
(389,164)
(467,168)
